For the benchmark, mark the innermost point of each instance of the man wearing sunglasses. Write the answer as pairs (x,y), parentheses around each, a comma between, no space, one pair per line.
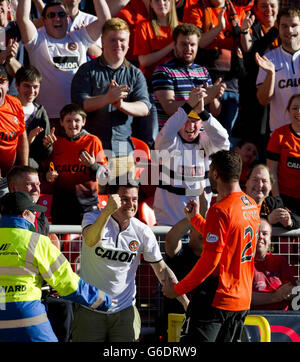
(57,53)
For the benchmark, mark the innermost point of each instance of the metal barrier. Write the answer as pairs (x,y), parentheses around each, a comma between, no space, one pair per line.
(175,322)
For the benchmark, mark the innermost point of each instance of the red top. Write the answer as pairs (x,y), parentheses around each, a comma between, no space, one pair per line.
(269,275)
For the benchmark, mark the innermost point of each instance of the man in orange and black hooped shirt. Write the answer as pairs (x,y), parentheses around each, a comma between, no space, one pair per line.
(13,138)
(229,232)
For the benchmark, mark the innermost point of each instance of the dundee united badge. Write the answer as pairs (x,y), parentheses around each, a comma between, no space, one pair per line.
(133,245)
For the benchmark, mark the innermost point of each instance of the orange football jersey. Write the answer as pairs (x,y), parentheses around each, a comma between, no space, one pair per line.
(65,157)
(230,235)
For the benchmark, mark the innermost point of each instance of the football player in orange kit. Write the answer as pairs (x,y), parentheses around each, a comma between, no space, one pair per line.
(230,234)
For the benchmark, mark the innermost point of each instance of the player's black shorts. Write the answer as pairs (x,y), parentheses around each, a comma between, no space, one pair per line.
(204,323)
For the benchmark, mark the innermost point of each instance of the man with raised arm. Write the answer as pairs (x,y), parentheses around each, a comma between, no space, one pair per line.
(229,235)
(55,52)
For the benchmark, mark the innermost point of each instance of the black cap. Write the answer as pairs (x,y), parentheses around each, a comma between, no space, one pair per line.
(14,203)
(3,73)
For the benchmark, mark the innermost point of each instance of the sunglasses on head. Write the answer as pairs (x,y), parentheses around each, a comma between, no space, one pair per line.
(52,14)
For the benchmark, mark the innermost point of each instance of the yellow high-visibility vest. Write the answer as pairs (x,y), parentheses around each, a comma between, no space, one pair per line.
(26,259)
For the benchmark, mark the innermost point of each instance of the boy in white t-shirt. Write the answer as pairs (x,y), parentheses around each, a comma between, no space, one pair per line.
(28,80)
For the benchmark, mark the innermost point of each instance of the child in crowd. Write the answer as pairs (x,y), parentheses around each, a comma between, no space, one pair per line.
(248,151)
(72,167)
(28,81)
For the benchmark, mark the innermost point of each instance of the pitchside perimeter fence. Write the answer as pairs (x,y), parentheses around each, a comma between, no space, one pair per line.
(149,296)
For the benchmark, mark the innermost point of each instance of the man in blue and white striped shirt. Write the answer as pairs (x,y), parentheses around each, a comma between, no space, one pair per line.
(173,81)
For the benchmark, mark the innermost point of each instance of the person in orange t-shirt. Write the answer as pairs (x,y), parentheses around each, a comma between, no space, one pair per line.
(153,42)
(13,138)
(283,158)
(73,164)
(153,45)
(229,234)
(134,12)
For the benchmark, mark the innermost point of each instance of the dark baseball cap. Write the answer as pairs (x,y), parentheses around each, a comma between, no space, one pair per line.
(14,203)
(3,73)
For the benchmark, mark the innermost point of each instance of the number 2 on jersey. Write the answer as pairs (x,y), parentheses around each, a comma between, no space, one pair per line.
(245,258)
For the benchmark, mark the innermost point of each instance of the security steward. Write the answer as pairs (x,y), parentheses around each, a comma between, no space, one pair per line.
(26,259)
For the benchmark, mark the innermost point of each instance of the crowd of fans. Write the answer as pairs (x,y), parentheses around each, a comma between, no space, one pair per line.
(77,82)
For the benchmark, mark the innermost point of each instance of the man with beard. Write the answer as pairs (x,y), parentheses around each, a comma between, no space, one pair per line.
(279,74)
(229,241)
(173,81)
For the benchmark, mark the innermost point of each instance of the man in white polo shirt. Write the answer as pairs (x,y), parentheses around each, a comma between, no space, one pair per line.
(114,241)
(279,74)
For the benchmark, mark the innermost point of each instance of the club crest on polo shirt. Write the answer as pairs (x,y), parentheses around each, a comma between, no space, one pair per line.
(211,238)
(133,245)
(72,46)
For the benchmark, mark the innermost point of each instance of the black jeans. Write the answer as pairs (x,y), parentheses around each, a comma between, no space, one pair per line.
(204,323)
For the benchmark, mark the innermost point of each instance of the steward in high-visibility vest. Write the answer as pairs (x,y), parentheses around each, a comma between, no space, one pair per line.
(26,259)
